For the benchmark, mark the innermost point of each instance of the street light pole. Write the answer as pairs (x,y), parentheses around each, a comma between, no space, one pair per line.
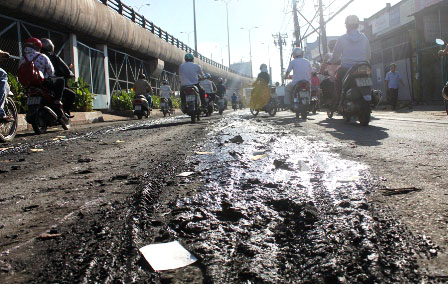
(188,36)
(250,49)
(228,33)
(195,31)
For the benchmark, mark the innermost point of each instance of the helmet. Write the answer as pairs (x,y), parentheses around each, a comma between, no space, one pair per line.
(263,67)
(47,45)
(297,52)
(207,76)
(189,57)
(142,76)
(34,42)
(165,82)
(220,80)
(352,20)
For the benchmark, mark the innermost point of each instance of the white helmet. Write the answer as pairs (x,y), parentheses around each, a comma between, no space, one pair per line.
(297,52)
(352,20)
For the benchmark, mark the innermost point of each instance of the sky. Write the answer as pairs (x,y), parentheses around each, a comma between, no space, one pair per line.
(269,16)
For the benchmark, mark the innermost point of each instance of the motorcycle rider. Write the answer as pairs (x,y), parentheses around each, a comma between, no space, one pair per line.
(302,71)
(60,70)
(166,93)
(142,87)
(234,98)
(208,86)
(55,84)
(351,49)
(3,80)
(221,91)
(190,73)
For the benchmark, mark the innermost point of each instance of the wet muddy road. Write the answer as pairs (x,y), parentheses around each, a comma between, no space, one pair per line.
(270,202)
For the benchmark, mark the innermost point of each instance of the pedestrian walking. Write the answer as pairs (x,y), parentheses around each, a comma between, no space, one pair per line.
(393,80)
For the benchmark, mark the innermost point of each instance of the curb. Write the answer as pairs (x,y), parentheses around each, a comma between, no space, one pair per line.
(82,118)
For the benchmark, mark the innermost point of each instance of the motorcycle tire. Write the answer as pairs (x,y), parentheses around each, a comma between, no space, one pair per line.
(364,118)
(193,118)
(139,116)
(304,115)
(314,110)
(198,116)
(147,114)
(347,118)
(254,112)
(330,114)
(273,111)
(8,130)
(221,111)
(164,113)
(446,106)
(39,124)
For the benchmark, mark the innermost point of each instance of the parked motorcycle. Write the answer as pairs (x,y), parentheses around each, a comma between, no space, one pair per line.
(141,107)
(358,99)
(8,130)
(42,112)
(301,99)
(165,107)
(192,101)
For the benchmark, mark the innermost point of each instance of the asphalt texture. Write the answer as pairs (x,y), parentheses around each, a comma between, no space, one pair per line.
(272,200)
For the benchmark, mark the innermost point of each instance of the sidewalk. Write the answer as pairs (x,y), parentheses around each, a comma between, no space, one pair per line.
(81,118)
(436,112)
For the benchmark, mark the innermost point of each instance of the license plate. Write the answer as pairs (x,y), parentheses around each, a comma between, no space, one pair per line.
(138,107)
(33,101)
(191,99)
(364,82)
(368,98)
(162,104)
(304,95)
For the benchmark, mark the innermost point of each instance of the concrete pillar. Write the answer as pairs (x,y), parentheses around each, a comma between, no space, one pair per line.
(73,45)
(103,48)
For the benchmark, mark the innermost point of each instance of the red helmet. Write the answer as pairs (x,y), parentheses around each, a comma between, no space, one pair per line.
(35,42)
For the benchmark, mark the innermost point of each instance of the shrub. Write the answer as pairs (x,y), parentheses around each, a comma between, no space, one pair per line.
(84,98)
(122,100)
(19,92)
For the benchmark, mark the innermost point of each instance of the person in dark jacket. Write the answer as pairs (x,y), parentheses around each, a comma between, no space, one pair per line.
(60,70)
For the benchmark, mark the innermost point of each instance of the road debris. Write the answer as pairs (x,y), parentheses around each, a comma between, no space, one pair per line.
(167,256)
(185,174)
(399,191)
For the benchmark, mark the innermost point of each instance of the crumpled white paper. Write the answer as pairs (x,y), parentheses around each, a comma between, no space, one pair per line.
(167,256)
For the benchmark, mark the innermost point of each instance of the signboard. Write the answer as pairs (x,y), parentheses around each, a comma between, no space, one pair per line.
(394,16)
(407,8)
(381,23)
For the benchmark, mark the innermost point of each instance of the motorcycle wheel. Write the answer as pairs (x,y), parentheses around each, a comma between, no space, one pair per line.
(198,116)
(164,113)
(254,112)
(347,118)
(221,111)
(304,115)
(273,111)
(147,114)
(330,114)
(139,116)
(364,118)
(446,106)
(193,118)
(39,124)
(8,130)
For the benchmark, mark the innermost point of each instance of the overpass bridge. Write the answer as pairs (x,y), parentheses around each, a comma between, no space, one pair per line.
(107,42)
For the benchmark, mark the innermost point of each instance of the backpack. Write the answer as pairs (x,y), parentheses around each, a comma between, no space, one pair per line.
(28,73)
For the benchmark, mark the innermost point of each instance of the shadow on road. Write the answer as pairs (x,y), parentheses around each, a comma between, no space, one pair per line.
(362,135)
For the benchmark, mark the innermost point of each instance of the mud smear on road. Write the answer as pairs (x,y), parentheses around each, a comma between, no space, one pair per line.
(270,206)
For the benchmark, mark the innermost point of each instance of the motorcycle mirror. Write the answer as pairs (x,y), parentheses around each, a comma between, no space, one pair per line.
(440,42)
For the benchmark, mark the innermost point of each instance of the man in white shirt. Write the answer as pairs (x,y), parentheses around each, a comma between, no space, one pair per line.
(302,71)
(190,73)
(165,92)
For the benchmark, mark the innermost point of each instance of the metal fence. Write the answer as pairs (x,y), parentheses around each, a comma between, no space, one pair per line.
(139,19)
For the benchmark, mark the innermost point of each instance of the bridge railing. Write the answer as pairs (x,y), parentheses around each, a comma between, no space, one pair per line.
(130,13)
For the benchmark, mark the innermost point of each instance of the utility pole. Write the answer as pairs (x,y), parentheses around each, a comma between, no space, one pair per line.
(298,42)
(280,41)
(323,31)
(195,31)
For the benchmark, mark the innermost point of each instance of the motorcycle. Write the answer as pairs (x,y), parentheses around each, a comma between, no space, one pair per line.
(192,102)
(315,101)
(441,43)
(221,104)
(8,130)
(165,107)
(234,105)
(240,105)
(327,98)
(42,112)
(358,97)
(141,107)
(270,108)
(209,108)
(301,99)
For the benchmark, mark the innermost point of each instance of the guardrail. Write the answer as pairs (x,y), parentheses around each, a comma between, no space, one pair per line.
(139,19)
